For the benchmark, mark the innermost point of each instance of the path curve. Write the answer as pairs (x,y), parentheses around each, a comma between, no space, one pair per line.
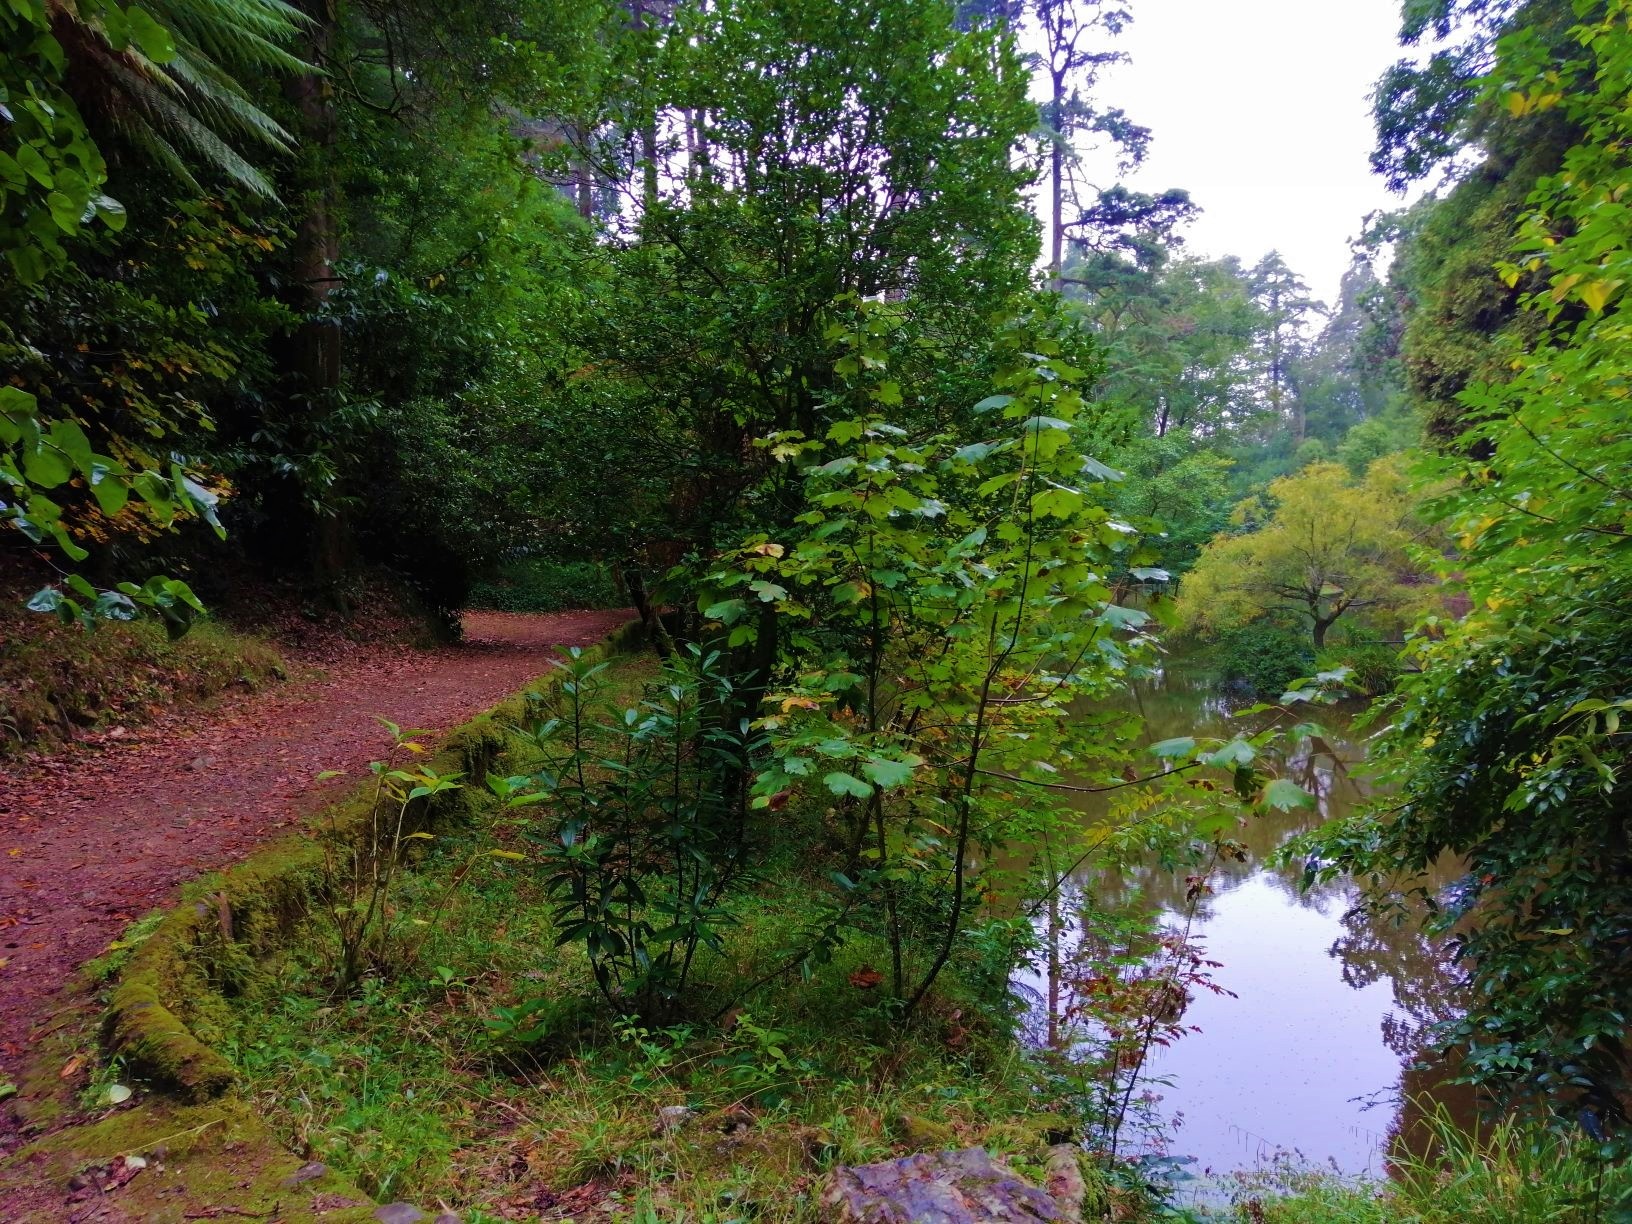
(89,842)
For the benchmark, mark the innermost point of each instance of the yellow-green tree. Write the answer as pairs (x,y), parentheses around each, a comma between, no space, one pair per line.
(1321,545)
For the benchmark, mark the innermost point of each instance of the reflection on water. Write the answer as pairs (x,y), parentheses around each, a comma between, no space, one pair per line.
(1312,1050)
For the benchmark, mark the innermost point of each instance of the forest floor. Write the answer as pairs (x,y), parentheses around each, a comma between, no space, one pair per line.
(96,835)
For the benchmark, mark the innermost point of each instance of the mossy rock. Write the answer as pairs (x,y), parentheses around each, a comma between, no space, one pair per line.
(961,1187)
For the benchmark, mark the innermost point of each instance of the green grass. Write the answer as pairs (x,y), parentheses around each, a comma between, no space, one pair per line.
(1512,1173)
(406,1087)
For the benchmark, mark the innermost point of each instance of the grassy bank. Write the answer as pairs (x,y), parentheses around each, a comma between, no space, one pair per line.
(480,1068)
(60,681)
(1511,1174)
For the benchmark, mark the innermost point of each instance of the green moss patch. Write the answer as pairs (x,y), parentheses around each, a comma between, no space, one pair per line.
(164,1163)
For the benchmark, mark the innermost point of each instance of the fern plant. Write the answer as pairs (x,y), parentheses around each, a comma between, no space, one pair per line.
(166,79)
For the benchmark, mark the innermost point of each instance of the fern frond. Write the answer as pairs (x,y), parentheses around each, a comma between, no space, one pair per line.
(182,113)
(245,34)
(163,112)
(134,129)
(212,90)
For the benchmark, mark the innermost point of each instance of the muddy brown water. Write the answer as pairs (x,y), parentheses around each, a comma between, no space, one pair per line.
(1315,1055)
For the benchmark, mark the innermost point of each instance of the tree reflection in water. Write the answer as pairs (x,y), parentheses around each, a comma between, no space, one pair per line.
(1332,1000)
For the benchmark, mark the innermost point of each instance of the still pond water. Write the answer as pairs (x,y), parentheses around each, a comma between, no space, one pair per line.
(1315,1052)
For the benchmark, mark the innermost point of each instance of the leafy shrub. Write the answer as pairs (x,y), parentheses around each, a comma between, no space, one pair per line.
(1372,439)
(1262,659)
(1373,666)
(641,894)
(538,584)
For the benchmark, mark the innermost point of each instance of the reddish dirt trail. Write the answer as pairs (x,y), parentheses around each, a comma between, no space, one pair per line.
(90,841)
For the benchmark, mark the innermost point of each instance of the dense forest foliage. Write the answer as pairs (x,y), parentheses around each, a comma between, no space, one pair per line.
(741,312)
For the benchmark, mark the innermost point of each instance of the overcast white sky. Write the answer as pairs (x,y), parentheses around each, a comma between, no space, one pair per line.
(1259,108)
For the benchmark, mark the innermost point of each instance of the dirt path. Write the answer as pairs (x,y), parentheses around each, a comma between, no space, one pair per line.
(89,841)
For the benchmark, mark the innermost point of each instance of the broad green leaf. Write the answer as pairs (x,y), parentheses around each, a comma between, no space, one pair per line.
(847,784)
(110,492)
(16,402)
(150,37)
(28,157)
(59,533)
(1124,618)
(888,773)
(1236,752)
(887,393)
(849,593)
(768,592)
(974,452)
(1180,746)
(70,439)
(47,467)
(1056,503)
(1040,423)
(1283,795)
(1099,471)
(726,611)
(111,212)
(64,211)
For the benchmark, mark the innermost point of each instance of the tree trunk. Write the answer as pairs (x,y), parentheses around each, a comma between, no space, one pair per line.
(583,174)
(1056,187)
(317,239)
(315,357)
(651,618)
(1321,625)
(1275,351)
(642,13)
(1055,974)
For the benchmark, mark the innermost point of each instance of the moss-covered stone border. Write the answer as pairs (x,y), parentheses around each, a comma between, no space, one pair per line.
(200,952)
(168,1001)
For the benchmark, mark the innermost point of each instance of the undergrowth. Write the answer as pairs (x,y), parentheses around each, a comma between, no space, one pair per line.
(537,584)
(488,1075)
(58,681)
(1261,659)
(484,1079)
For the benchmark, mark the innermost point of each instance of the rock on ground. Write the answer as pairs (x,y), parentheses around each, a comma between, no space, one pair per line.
(962,1187)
